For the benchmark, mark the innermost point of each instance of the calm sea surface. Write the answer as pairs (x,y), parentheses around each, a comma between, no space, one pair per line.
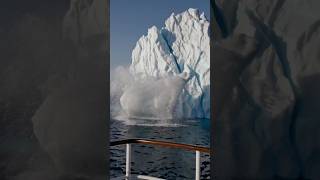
(158,161)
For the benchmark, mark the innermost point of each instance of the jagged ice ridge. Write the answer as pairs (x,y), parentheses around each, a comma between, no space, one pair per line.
(181,46)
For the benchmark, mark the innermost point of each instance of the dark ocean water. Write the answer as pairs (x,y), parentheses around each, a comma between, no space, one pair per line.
(158,161)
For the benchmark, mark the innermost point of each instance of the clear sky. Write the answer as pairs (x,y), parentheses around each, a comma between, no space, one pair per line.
(130,19)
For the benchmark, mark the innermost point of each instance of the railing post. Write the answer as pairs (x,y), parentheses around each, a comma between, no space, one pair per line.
(197,165)
(128,160)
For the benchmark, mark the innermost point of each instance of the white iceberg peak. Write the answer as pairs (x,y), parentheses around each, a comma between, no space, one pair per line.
(180,49)
(153,30)
(194,13)
(202,16)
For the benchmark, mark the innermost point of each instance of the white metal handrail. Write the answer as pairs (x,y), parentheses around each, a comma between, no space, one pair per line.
(188,147)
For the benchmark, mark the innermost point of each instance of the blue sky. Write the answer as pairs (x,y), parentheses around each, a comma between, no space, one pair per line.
(130,19)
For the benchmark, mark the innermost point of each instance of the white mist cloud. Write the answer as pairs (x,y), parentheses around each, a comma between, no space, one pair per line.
(145,98)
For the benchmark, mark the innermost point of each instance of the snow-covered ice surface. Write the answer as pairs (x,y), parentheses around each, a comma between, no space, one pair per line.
(171,71)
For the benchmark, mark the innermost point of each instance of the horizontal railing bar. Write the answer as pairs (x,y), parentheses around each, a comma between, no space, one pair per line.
(134,176)
(162,143)
(144,177)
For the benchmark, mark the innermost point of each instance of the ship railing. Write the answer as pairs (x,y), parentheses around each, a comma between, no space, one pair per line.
(187,147)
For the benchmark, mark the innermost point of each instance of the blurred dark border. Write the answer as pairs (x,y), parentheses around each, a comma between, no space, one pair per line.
(264,89)
(54,94)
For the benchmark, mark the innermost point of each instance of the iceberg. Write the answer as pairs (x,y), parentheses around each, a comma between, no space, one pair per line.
(171,70)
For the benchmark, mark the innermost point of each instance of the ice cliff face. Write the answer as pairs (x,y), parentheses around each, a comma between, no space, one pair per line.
(181,46)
